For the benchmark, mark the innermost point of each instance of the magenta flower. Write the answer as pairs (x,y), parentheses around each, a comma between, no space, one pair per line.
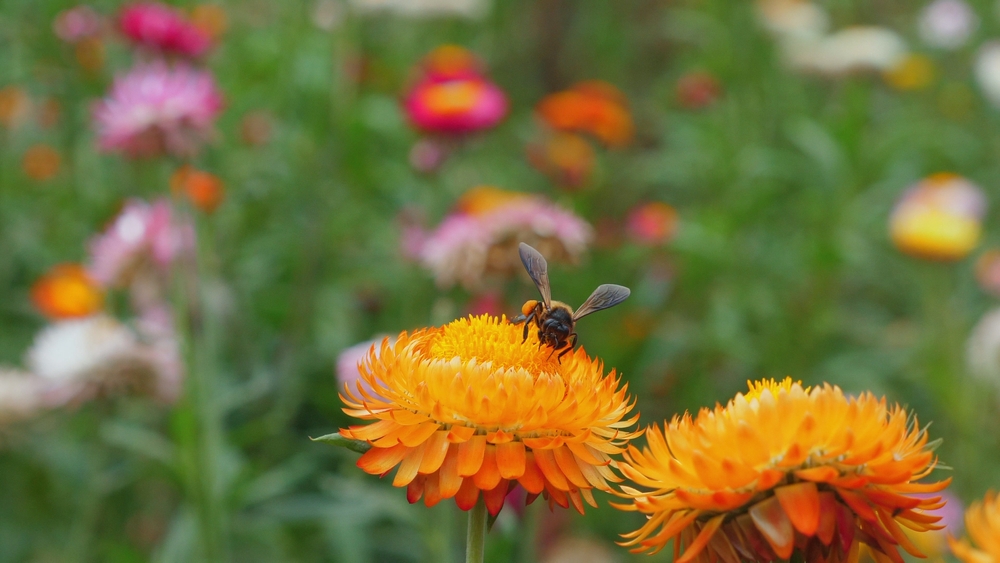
(143,237)
(162,28)
(156,109)
(457,106)
(453,96)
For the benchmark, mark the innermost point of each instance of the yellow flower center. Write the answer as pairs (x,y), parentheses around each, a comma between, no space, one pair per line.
(454,98)
(500,343)
(758,387)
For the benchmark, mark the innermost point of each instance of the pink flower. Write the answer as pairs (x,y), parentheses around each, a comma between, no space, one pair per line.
(163,28)
(155,109)
(457,106)
(155,326)
(481,237)
(143,235)
(652,224)
(349,361)
(77,24)
(453,96)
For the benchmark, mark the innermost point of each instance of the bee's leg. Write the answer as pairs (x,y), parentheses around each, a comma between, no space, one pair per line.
(527,325)
(573,345)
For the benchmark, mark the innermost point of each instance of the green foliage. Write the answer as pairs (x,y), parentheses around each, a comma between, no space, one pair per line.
(782,265)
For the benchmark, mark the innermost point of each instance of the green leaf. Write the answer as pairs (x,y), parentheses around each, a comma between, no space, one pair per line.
(336,439)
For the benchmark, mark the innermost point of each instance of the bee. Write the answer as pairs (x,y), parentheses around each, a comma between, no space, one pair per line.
(556,321)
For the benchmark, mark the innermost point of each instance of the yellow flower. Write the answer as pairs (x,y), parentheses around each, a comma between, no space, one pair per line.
(914,72)
(940,218)
(982,522)
(471,407)
(779,469)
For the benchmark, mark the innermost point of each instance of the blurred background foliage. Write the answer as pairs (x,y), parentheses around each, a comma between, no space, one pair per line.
(781,266)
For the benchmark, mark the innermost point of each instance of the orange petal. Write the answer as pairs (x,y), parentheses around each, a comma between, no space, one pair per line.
(489,474)
(372,431)
(470,456)
(494,497)
(432,490)
(448,474)
(436,449)
(821,474)
(827,517)
(701,541)
(891,500)
(467,494)
(898,534)
(408,468)
(553,475)
(772,522)
(378,461)
(769,478)
(858,504)
(458,434)
(415,489)
(533,481)
(416,435)
(510,459)
(801,504)
(567,464)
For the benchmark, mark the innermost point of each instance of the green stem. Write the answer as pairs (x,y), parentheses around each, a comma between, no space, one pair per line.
(475,546)
(200,336)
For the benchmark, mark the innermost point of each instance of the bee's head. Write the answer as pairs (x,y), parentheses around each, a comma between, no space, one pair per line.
(528,307)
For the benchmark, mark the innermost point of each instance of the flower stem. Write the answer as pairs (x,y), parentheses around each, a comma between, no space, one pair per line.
(476,543)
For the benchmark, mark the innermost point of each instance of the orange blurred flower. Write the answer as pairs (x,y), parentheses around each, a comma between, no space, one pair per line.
(41,162)
(472,407)
(982,524)
(593,107)
(939,218)
(15,105)
(203,189)
(566,158)
(211,19)
(784,468)
(67,292)
(90,54)
(653,223)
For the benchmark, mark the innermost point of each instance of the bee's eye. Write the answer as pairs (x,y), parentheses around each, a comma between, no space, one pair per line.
(528,307)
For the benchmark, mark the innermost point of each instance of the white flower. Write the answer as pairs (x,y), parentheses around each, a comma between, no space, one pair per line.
(472,9)
(988,71)
(791,19)
(852,49)
(983,349)
(83,357)
(947,24)
(20,395)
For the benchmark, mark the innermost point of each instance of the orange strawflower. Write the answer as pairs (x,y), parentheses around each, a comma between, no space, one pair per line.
(780,469)
(566,158)
(982,524)
(593,107)
(204,190)
(67,292)
(41,162)
(469,407)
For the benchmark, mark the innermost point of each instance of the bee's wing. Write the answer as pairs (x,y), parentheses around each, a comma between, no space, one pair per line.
(538,269)
(607,295)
